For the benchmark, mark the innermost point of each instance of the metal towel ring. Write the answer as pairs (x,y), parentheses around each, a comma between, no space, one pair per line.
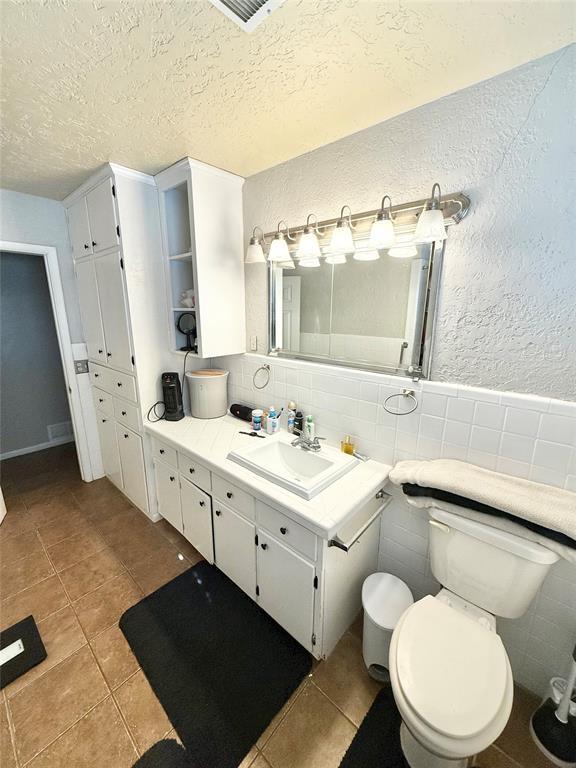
(266,368)
(405,393)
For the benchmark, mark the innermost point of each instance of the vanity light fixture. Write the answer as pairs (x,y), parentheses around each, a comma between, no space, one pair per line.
(431,225)
(403,251)
(336,258)
(286,264)
(309,247)
(255,252)
(382,234)
(342,240)
(279,247)
(366,254)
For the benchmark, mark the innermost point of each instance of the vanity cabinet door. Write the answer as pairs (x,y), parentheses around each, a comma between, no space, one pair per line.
(286,588)
(197,518)
(168,494)
(234,548)
(109,276)
(132,461)
(90,310)
(109,448)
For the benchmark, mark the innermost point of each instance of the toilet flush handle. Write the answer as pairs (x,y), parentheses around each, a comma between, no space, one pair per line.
(441,526)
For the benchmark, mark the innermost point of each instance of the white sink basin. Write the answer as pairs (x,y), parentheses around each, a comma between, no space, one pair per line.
(303,472)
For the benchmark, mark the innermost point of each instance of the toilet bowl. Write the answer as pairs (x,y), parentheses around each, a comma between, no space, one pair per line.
(451,680)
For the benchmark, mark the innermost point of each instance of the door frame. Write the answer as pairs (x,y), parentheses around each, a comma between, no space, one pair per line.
(50,256)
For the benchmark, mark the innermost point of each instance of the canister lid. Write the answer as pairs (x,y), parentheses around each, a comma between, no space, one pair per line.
(207,372)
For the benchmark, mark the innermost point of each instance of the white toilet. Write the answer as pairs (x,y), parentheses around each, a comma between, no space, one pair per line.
(449,670)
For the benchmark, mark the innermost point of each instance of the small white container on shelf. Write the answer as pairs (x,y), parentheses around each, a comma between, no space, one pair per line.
(208,393)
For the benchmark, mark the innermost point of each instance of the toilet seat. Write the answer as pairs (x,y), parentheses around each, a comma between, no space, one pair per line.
(451,679)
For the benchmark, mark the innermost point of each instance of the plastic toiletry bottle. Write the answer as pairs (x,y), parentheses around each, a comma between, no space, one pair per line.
(272,423)
(290,416)
(299,423)
(257,420)
(310,427)
(347,446)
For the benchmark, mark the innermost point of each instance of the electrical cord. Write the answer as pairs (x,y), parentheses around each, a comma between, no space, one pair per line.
(152,409)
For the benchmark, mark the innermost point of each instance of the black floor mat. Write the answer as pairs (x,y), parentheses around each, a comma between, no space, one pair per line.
(33,653)
(220,666)
(377,742)
(164,754)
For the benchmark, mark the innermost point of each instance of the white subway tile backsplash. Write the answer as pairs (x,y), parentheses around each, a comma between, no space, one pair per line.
(512,467)
(489,415)
(457,432)
(460,409)
(516,447)
(482,459)
(434,405)
(369,391)
(485,440)
(552,456)
(557,428)
(431,426)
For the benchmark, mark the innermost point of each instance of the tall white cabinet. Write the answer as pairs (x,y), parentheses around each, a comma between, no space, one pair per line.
(114,227)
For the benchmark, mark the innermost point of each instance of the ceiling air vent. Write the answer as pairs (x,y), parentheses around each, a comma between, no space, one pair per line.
(248,14)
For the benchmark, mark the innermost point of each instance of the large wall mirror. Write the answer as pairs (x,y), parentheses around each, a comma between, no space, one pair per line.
(368,314)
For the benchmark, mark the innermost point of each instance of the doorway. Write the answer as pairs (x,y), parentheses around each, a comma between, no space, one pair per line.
(41,404)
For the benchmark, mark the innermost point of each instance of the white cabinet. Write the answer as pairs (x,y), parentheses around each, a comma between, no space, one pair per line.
(234,547)
(102,217)
(90,310)
(114,310)
(79,229)
(132,462)
(109,447)
(197,518)
(202,232)
(286,587)
(168,494)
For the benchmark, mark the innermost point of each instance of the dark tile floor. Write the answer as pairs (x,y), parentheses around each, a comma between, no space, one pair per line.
(76,556)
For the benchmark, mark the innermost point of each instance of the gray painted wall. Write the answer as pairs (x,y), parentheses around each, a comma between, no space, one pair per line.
(38,220)
(507,305)
(32,386)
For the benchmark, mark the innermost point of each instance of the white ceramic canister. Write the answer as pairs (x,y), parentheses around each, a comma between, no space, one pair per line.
(208,393)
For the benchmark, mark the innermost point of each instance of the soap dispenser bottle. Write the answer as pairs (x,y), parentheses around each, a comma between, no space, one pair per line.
(310,427)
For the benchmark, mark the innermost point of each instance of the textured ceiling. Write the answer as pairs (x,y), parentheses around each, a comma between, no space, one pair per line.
(144,83)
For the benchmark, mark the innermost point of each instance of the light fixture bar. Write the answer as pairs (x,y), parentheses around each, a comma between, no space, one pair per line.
(454,207)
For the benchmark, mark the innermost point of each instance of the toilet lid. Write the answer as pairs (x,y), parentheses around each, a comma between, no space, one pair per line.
(452,670)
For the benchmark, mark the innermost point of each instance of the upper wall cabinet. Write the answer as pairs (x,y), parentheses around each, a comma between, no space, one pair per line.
(202,233)
(92,221)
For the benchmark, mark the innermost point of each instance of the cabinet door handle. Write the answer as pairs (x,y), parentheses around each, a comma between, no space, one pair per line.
(217,512)
(126,436)
(103,421)
(118,383)
(96,375)
(192,470)
(94,244)
(283,531)
(100,351)
(172,478)
(100,399)
(229,494)
(123,413)
(162,451)
(86,246)
(108,354)
(264,546)
(202,503)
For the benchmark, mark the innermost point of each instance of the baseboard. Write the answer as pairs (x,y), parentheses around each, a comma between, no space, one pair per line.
(35,448)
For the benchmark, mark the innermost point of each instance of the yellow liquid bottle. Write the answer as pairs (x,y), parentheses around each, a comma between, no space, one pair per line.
(347,446)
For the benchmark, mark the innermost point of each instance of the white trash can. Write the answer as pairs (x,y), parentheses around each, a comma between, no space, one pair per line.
(384,598)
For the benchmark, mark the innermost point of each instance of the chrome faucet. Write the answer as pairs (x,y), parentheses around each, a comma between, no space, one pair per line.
(304,442)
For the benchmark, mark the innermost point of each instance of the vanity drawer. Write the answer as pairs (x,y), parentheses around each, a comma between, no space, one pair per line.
(286,530)
(103,401)
(100,377)
(195,472)
(164,452)
(233,496)
(127,413)
(123,385)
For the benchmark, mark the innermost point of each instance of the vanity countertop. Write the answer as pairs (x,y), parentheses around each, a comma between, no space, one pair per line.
(209,441)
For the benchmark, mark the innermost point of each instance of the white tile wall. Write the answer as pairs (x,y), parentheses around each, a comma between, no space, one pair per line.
(522,435)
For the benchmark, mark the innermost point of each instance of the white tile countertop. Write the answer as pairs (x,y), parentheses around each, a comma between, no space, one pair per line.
(209,441)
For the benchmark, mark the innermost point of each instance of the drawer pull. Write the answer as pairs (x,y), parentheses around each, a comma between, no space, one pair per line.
(162,451)
(118,383)
(86,246)
(123,413)
(103,421)
(108,354)
(283,531)
(172,478)
(264,546)
(202,503)
(192,470)
(100,399)
(126,436)
(229,494)
(218,512)
(94,244)
(96,375)
(100,351)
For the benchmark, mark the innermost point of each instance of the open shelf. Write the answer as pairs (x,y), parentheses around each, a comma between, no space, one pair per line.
(177,212)
(181,256)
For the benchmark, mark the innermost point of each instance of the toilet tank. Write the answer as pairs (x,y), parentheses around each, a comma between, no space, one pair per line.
(493,569)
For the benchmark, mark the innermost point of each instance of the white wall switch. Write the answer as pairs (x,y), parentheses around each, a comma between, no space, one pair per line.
(253,343)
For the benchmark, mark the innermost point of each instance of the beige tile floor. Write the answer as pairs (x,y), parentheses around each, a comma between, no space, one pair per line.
(76,556)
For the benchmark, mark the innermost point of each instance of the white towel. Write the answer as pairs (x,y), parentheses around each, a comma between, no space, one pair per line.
(544,505)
